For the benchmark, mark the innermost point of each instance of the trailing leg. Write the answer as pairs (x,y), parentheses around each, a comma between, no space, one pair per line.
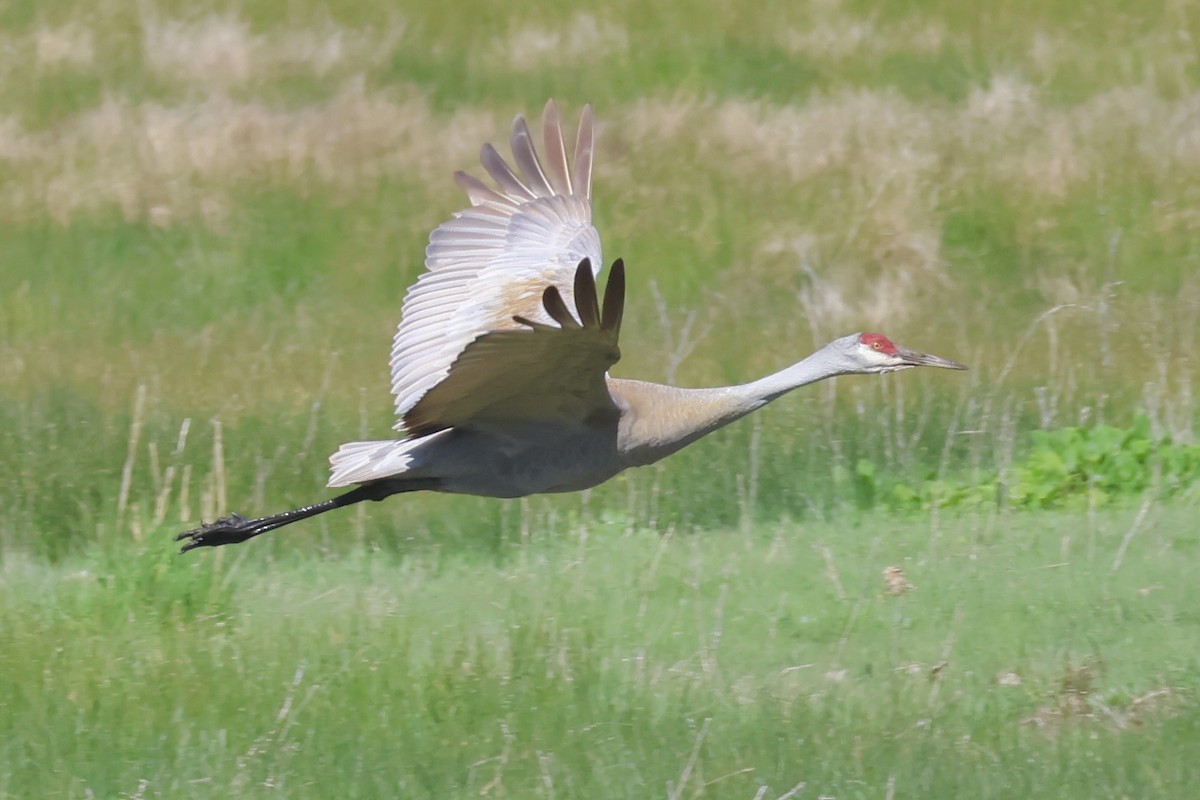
(236,528)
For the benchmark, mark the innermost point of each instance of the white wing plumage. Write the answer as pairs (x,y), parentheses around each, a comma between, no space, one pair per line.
(539,379)
(493,261)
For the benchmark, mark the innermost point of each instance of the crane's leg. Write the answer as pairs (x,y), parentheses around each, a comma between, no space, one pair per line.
(235,528)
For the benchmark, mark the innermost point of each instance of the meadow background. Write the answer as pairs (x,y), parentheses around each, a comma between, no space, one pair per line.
(923,585)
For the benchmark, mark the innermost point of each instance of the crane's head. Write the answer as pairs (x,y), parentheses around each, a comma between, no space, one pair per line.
(874,352)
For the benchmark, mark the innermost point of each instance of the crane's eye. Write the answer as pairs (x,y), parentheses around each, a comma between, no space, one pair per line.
(877,345)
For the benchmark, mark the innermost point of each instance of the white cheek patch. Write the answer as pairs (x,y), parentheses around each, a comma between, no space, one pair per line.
(880,359)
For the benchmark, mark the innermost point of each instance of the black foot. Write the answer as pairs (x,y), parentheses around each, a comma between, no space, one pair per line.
(227,530)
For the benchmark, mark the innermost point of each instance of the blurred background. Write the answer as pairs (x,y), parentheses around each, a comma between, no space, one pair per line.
(209,215)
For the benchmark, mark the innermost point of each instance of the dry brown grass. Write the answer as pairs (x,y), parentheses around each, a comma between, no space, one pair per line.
(71,45)
(889,161)
(586,38)
(896,582)
(164,163)
(221,50)
(215,51)
(1005,134)
(872,167)
(1077,704)
(833,35)
(890,156)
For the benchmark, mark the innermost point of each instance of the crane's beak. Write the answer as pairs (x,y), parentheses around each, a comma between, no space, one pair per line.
(915,358)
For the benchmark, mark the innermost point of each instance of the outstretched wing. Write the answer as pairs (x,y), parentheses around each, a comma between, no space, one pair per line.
(492,262)
(544,374)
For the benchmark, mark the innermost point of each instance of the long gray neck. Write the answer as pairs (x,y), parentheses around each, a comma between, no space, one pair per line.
(818,366)
(659,420)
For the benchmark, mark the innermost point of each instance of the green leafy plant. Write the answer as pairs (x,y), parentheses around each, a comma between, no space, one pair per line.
(1068,467)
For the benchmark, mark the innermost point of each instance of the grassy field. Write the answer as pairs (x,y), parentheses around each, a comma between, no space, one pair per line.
(1007,659)
(209,214)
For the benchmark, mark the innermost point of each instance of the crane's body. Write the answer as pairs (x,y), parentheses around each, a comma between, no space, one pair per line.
(654,421)
(500,362)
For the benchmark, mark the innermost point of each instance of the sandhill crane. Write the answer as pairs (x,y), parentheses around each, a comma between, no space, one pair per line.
(501,389)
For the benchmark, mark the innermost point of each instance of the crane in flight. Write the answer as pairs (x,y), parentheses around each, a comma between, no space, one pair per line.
(500,362)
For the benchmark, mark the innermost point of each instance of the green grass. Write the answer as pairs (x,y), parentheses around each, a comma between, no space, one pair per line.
(592,663)
(209,215)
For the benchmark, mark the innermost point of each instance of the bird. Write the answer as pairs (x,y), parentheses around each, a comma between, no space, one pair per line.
(500,363)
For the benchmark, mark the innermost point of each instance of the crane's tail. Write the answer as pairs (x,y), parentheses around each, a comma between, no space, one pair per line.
(360,462)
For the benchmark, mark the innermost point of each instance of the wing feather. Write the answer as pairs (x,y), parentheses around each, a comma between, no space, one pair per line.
(525,155)
(494,260)
(553,302)
(614,298)
(556,152)
(585,297)
(545,375)
(478,191)
(502,174)
(584,147)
